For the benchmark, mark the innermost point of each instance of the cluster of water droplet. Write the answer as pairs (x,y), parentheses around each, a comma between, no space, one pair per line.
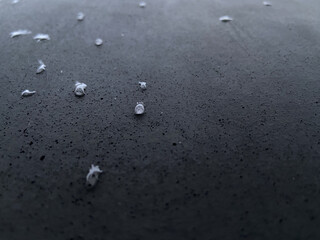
(79,90)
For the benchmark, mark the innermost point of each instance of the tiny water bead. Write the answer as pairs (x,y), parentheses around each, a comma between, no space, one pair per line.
(142,4)
(80,16)
(143,85)
(98,42)
(19,32)
(93,175)
(42,67)
(225,19)
(41,36)
(80,89)
(266,3)
(27,93)
(139,109)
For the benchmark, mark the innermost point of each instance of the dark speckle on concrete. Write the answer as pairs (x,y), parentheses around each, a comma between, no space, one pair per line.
(228,148)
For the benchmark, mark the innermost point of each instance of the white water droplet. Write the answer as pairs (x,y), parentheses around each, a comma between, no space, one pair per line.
(80,16)
(27,93)
(266,3)
(42,67)
(143,85)
(225,19)
(15,1)
(142,4)
(19,32)
(98,42)
(139,109)
(41,36)
(93,175)
(122,34)
(80,89)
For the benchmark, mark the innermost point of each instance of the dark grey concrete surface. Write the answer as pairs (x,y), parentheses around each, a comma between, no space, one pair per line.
(228,147)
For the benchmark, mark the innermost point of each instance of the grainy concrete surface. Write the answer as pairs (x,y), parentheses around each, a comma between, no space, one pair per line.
(228,147)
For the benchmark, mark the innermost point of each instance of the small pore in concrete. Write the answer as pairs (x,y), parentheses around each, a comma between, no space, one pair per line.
(41,36)
(80,89)
(225,19)
(27,93)
(19,32)
(139,109)
(98,42)
(42,67)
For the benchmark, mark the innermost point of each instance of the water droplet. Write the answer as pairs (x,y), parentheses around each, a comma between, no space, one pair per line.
(122,35)
(268,4)
(15,1)
(42,67)
(41,36)
(19,32)
(80,16)
(80,89)
(93,175)
(27,93)
(225,19)
(98,42)
(143,85)
(142,4)
(139,109)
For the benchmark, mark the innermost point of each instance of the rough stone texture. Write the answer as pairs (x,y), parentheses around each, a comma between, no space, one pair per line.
(228,147)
